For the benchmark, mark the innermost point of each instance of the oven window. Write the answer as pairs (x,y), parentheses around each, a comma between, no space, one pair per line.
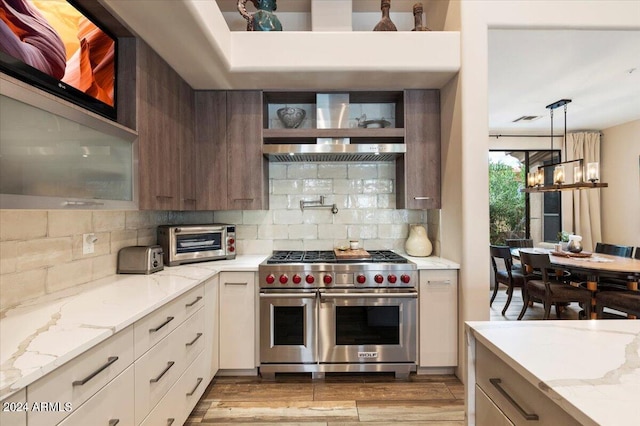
(288,325)
(367,325)
(200,242)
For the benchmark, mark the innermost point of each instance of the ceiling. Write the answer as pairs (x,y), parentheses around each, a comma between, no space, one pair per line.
(530,69)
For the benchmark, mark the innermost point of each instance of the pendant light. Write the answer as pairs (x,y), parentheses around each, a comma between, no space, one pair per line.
(582,179)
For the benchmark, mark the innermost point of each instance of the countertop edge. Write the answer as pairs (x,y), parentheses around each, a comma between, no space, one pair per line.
(192,275)
(475,330)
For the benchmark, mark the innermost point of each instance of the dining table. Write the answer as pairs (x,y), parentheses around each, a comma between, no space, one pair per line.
(592,265)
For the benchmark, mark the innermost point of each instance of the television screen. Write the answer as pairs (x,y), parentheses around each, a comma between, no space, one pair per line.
(53,45)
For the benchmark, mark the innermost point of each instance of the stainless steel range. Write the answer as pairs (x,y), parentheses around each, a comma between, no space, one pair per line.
(321,313)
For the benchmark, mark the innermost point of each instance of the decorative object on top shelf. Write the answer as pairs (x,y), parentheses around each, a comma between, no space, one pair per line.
(291,117)
(535,180)
(418,243)
(263,19)
(417,18)
(385,23)
(372,124)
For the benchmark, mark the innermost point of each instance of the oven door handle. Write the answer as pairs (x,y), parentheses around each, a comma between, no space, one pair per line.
(324,296)
(301,295)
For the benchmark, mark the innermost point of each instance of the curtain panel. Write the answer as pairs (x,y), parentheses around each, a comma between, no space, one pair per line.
(584,205)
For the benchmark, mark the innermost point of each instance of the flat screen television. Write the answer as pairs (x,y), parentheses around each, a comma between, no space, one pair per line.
(57,46)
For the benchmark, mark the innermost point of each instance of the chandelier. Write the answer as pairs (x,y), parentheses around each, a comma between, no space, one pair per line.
(583,178)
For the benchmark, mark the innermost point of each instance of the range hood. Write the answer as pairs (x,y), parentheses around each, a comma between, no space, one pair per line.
(333,139)
(333,152)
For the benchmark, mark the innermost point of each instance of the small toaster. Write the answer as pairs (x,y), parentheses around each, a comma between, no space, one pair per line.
(140,260)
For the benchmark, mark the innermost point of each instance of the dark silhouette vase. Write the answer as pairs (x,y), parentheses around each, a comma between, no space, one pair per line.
(385,23)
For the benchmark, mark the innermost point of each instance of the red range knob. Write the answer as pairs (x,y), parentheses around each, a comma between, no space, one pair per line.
(232,248)
(405,278)
(297,279)
(271,279)
(231,241)
(361,279)
(284,278)
(392,279)
(327,279)
(378,278)
(309,279)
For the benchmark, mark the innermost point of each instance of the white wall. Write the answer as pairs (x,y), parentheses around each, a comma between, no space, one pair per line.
(620,168)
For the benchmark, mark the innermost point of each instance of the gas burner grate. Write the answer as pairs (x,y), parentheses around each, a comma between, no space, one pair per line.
(386,256)
(319,256)
(327,256)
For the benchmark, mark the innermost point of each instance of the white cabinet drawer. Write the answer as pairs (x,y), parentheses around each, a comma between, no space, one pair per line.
(158,369)
(111,406)
(14,409)
(79,379)
(514,395)
(175,406)
(158,324)
(487,413)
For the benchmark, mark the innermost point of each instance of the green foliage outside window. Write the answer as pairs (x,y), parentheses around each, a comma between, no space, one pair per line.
(506,203)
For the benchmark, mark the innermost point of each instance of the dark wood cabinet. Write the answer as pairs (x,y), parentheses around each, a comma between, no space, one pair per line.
(418,171)
(231,172)
(165,135)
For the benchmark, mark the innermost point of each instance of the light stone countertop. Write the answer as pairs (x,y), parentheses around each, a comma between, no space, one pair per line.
(42,334)
(432,262)
(38,336)
(589,368)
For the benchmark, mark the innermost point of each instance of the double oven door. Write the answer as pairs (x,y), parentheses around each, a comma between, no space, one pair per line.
(288,327)
(334,327)
(367,327)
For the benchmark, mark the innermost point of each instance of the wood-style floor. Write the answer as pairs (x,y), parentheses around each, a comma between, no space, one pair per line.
(349,399)
(296,399)
(535,312)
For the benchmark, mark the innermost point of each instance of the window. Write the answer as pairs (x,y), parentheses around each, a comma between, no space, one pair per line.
(515,214)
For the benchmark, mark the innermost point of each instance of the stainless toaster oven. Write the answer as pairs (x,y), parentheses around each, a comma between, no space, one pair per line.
(197,243)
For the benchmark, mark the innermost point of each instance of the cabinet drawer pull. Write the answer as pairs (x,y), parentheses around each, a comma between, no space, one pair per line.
(496,382)
(421,198)
(188,305)
(170,421)
(114,422)
(243,199)
(245,283)
(110,361)
(164,197)
(153,330)
(196,387)
(194,340)
(157,379)
(442,282)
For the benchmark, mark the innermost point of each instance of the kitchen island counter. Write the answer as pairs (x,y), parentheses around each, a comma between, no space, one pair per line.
(590,369)
(40,335)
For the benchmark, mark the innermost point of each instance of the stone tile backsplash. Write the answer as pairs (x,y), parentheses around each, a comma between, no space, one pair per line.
(41,250)
(363,192)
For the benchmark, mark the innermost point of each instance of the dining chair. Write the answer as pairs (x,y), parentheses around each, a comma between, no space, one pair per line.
(519,242)
(624,301)
(613,249)
(549,291)
(607,282)
(511,276)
